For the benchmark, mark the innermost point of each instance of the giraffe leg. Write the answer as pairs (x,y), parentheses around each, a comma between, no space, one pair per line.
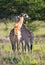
(28,47)
(13,43)
(22,47)
(31,45)
(25,46)
(18,45)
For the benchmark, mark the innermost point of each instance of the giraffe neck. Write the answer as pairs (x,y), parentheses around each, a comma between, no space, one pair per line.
(20,22)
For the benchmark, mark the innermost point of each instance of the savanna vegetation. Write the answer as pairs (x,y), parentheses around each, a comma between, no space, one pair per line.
(36,10)
(37,57)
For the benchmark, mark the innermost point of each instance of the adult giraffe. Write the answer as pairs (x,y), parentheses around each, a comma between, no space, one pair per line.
(28,37)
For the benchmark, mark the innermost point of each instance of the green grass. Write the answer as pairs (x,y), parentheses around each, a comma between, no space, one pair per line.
(5,28)
(5,47)
(37,57)
(38,28)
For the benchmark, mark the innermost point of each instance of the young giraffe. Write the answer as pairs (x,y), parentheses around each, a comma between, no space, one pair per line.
(17,31)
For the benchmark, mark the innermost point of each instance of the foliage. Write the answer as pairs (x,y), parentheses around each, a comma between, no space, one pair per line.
(35,8)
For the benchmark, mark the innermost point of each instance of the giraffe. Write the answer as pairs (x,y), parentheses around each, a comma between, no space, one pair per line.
(17,31)
(28,37)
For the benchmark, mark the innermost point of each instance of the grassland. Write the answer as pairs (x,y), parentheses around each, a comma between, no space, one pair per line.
(37,57)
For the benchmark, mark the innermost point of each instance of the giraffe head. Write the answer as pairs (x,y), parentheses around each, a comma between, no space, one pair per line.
(25,15)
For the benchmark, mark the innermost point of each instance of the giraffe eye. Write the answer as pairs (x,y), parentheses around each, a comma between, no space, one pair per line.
(25,15)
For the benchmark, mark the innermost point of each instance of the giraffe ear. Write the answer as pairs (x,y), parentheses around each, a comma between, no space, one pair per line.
(18,18)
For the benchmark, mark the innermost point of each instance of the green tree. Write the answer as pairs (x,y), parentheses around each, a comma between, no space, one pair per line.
(35,8)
